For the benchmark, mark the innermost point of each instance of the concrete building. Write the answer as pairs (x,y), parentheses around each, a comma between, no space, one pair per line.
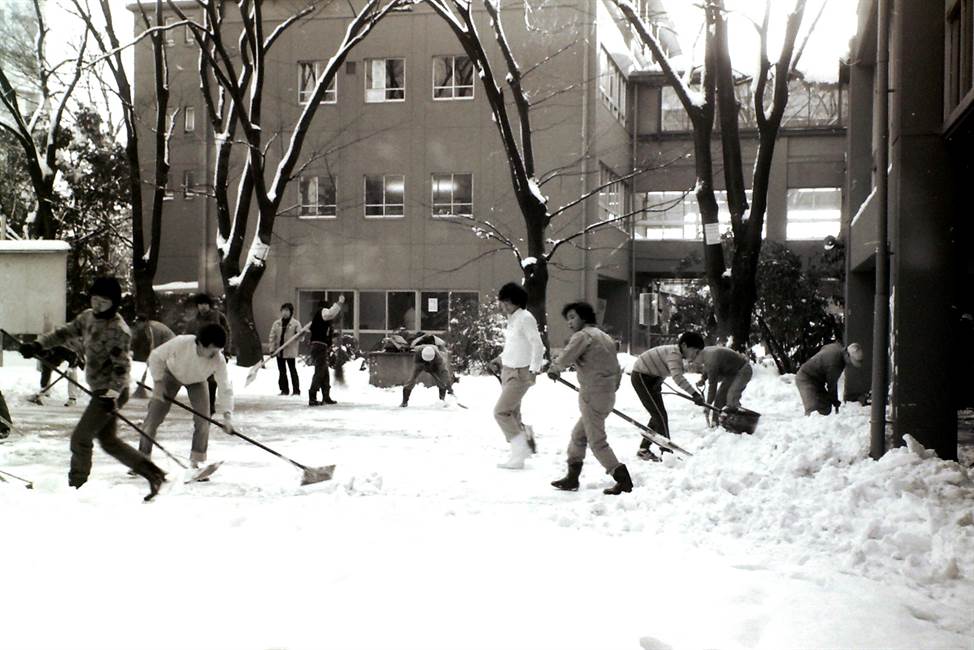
(931,137)
(406,142)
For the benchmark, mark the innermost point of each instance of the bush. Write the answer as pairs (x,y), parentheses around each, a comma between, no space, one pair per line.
(476,335)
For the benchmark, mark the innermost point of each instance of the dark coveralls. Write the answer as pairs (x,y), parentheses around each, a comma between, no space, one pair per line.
(437,369)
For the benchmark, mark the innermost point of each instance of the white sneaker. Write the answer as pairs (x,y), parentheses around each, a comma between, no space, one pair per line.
(71,401)
(519,452)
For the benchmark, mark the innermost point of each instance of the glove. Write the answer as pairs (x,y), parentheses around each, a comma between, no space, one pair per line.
(553,374)
(228,423)
(31,350)
(108,400)
(698,399)
(701,382)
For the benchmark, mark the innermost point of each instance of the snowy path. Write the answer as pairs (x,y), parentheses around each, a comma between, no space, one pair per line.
(787,539)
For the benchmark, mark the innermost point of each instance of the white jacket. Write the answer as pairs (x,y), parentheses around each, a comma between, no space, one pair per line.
(523,347)
(179,358)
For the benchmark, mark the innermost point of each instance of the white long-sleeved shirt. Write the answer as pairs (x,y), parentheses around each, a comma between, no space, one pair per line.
(522,342)
(178,356)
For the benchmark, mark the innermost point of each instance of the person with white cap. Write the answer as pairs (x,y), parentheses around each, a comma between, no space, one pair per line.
(818,378)
(427,358)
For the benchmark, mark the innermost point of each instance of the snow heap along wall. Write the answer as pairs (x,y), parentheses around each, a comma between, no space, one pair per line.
(33,285)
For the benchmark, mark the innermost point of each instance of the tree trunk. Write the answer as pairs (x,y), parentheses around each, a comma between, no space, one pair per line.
(44,226)
(146,303)
(245,339)
(744,294)
(536,284)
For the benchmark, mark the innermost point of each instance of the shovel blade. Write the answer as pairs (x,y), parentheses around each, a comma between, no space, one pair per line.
(317,474)
(203,472)
(252,374)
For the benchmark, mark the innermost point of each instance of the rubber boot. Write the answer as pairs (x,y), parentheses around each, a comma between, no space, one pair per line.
(326,397)
(519,452)
(623,481)
(570,482)
(405,396)
(156,478)
(313,398)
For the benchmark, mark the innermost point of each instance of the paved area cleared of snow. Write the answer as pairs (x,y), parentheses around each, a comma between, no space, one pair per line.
(791,538)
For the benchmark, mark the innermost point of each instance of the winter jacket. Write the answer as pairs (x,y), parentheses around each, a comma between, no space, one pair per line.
(719,362)
(438,368)
(824,369)
(322,328)
(523,347)
(593,352)
(106,344)
(291,330)
(179,358)
(664,361)
(213,316)
(147,336)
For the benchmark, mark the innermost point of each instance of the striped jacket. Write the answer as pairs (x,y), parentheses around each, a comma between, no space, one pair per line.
(106,344)
(664,361)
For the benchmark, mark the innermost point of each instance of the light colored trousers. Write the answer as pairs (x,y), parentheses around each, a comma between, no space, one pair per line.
(815,398)
(595,406)
(515,382)
(731,388)
(199,399)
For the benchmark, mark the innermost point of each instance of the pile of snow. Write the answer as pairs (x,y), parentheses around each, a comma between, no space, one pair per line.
(790,538)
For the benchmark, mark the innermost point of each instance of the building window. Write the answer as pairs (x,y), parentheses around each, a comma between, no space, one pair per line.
(189,119)
(169,34)
(673,117)
(167,193)
(810,105)
(385,80)
(452,195)
(452,77)
(384,196)
(814,212)
(318,197)
(612,197)
(188,34)
(308,73)
(959,54)
(668,216)
(189,184)
(612,85)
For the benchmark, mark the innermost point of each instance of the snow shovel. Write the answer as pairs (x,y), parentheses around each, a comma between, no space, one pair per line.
(735,419)
(646,432)
(252,373)
(197,474)
(310,474)
(29,484)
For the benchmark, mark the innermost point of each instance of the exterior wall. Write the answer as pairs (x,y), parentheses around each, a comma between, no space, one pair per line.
(21,264)
(416,137)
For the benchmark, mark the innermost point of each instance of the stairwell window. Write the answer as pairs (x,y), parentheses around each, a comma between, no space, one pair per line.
(612,85)
(452,77)
(189,119)
(385,80)
(612,197)
(452,195)
(318,197)
(189,184)
(308,73)
(384,196)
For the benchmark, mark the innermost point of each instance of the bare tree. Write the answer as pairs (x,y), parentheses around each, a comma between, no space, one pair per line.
(734,290)
(39,132)
(145,248)
(233,93)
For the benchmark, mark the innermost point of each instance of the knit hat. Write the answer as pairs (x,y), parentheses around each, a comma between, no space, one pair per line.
(856,354)
(107,287)
(428,353)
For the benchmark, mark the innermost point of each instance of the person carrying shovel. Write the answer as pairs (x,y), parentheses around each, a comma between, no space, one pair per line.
(651,368)
(593,353)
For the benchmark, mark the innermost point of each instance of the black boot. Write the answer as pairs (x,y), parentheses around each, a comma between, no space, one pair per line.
(326,397)
(623,481)
(156,478)
(570,482)
(313,398)
(405,396)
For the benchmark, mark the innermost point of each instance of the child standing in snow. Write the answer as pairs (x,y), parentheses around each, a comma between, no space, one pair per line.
(429,359)
(283,330)
(190,361)
(649,371)
(106,341)
(519,362)
(593,353)
(818,378)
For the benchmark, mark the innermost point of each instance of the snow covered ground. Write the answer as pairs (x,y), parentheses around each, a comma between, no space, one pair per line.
(791,538)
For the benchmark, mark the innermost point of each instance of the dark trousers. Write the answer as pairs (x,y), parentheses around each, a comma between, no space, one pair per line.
(284,365)
(321,379)
(211,385)
(99,422)
(648,390)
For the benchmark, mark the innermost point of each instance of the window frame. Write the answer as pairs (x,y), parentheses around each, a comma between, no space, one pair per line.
(317,203)
(616,95)
(385,206)
(189,183)
(453,202)
(454,87)
(604,198)
(307,93)
(189,119)
(385,89)
(836,221)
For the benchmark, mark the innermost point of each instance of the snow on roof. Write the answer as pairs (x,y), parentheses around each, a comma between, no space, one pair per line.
(34,246)
(177,287)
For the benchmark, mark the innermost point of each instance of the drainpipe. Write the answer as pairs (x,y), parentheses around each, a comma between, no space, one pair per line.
(877,424)
(587,85)
(632,219)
